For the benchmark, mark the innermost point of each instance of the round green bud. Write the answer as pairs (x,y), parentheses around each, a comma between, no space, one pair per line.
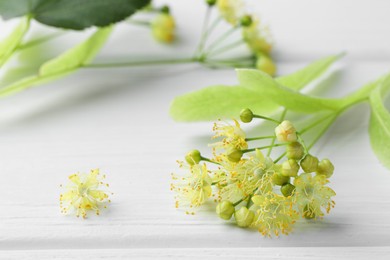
(211,2)
(246,20)
(193,157)
(287,189)
(294,151)
(234,155)
(309,163)
(266,64)
(225,209)
(165,9)
(244,217)
(326,168)
(279,179)
(290,168)
(246,115)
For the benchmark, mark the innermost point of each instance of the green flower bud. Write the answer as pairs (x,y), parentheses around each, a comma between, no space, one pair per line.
(211,2)
(234,155)
(326,168)
(246,20)
(165,9)
(287,189)
(246,115)
(309,163)
(244,217)
(290,168)
(279,179)
(294,151)
(266,64)
(225,209)
(193,157)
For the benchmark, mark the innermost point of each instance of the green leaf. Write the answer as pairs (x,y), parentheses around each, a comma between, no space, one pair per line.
(263,84)
(16,8)
(303,77)
(72,14)
(11,43)
(218,102)
(64,64)
(379,128)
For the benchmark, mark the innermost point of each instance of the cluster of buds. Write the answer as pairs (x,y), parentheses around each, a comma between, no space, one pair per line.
(254,33)
(250,187)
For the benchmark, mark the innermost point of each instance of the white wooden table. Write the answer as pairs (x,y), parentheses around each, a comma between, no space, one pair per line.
(117,120)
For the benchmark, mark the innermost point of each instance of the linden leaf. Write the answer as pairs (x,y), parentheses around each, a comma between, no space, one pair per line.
(303,77)
(64,64)
(269,89)
(9,44)
(379,128)
(218,102)
(72,14)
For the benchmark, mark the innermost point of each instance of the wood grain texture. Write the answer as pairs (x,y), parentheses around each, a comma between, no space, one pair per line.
(117,120)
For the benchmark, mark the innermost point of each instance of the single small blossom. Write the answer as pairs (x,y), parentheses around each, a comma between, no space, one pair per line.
(312,196)
(274,214)
(231,10)
(233,137)
(257,37)
(193,189)
(163,28)
(285,132)
(84,192)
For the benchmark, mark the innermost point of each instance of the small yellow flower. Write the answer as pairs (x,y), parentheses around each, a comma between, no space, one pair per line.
(83,193)
(274,215)
(193,189)
(285,132)
(312,195)
(233,136)
(230,10)
(163,28)
(258,38)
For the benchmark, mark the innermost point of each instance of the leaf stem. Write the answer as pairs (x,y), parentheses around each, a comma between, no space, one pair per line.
(282,116)
(259,138)
(220,39)
(140,63)
(226,48)
(262,147)
(204,31)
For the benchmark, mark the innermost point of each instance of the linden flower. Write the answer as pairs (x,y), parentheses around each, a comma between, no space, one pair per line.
(285,132)
(275,214)
(246,176)
(230,10)
(193,189)
(84,193)
(312,195)
(257,38)
(233,136)
(163,28)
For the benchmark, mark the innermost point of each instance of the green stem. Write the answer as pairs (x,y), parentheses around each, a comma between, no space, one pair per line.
(266,118)
(282,116)
(323,131)
(220,39)
(204,32)
(263,147)
(280,157)
(226,48)
(138,22)
(259,138)
(209,160)
(40,40)
(140,63)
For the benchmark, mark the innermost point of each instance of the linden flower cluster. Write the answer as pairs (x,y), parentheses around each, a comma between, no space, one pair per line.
(84,192)
(255,190)
(254,33)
